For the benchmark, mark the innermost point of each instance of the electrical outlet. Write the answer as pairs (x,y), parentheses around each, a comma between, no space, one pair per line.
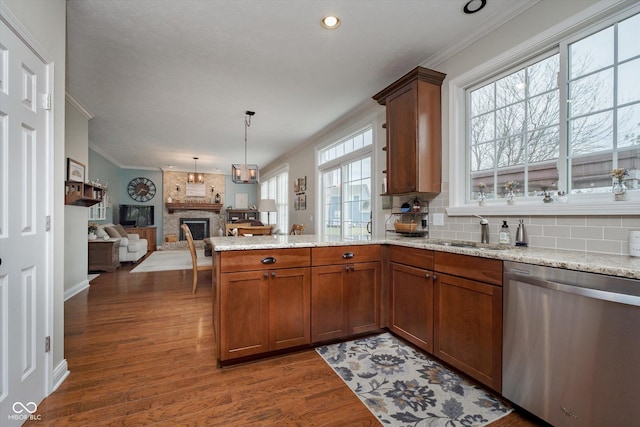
(438,219)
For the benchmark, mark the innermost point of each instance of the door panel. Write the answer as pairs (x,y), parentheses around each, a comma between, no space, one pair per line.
(289,305)
(363,297)
(328,303)
(25,146)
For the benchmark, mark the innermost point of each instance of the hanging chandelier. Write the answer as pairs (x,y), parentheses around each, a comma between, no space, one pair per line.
(245,173)
(195,177)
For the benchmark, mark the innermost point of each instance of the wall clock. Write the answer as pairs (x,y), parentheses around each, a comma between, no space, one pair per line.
(141,189)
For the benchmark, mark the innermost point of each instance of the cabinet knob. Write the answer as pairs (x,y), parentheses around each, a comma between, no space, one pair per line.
(435,277)
(273,274)
(346,268)
(427,276)
(353,267)
(265,274)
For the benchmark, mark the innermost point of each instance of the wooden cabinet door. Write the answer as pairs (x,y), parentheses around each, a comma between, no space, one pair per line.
(244,314)
(468,327)
(289,306)
(401,140)
(328,303)
(362,283)
(411,304)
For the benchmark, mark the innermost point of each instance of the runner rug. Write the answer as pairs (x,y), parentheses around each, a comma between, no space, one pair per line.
(403,387)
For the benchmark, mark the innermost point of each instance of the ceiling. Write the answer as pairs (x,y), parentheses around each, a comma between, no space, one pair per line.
(168,80)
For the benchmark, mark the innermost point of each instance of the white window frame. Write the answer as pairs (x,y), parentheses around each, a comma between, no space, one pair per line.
(366,151)
(593,204)
(282,200)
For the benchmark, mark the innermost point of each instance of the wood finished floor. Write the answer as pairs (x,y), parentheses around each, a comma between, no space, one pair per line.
(140,351)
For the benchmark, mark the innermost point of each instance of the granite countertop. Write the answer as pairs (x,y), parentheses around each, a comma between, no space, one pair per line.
(613,265)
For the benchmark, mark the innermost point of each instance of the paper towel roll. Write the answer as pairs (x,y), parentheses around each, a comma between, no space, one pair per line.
(634,243)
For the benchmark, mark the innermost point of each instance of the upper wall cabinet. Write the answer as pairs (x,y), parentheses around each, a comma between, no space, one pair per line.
(414,136)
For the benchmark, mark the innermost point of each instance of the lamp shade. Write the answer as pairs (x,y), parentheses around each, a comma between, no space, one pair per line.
(267,205)
(244,174)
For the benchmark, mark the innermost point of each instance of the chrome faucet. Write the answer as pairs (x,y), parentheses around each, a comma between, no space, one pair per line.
(484,229)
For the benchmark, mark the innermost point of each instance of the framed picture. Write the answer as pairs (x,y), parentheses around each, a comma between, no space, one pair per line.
(195,190)
(296,186)
(242,201)
(75,170)
(302,184)
(296,203)
(303,202)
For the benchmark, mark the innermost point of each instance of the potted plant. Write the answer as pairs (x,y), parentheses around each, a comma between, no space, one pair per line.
(92,231)
(619,187)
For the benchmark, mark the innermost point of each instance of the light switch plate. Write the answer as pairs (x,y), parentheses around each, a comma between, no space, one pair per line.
(438,219)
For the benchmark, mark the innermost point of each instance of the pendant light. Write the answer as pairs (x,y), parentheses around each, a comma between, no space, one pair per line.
(195,177)
(245,173)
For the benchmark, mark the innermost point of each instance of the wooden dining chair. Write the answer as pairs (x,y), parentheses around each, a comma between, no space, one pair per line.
(194,257)
(297,229)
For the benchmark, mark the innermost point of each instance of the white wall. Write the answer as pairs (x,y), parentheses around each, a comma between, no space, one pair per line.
(76,217)
(46,22)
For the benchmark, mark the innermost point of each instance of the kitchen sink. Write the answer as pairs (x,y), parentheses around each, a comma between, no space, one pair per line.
(472,245)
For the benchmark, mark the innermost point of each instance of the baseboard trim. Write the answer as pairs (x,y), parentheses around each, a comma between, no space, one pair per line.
(60,373)
(68,293)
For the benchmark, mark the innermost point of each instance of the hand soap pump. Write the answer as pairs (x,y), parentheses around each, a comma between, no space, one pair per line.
(504,235)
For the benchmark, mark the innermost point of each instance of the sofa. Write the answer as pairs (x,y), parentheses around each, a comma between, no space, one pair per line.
(130,248)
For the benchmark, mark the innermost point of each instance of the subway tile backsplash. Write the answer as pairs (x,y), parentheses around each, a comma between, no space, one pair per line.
(603,234)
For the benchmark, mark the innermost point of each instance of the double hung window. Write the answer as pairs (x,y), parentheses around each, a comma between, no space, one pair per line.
(275,188)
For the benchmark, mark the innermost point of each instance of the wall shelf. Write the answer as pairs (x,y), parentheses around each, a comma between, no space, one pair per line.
(215,207)
(82,194)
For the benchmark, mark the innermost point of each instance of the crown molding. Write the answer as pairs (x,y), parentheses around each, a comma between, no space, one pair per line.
(78,105)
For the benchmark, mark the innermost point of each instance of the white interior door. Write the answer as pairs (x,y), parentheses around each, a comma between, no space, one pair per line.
(25,137)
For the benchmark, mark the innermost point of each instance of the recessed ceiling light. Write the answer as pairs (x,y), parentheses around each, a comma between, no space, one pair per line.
(330,22)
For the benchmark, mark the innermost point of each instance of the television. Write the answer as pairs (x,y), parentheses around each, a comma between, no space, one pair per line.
(136,215)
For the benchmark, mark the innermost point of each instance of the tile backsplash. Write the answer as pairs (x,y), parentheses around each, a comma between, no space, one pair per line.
(603,234)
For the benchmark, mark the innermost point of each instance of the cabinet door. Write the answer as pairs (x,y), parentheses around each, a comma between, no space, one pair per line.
(244,314)
(328,303)
(362,283)
(468,327)
(401,140)
(411,300)
(289,305)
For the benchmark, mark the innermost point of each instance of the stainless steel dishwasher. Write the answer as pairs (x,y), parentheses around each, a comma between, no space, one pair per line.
(571,350)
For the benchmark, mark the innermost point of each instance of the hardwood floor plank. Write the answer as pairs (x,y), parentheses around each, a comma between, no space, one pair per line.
(140,349)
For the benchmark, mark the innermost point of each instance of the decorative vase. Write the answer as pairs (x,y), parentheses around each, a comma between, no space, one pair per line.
(482,200)
(619,191)
(92,236)
(511,196)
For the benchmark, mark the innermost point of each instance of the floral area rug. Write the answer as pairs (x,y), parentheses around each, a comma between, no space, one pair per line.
(403,387)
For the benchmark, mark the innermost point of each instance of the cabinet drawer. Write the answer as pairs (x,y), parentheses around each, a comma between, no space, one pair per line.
(261,259)
(421,258)
(470,267)
(345,254)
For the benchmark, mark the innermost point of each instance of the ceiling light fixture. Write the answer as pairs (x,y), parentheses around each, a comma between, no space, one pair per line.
(245,173)
(474,6)
(330,22)
(195,177)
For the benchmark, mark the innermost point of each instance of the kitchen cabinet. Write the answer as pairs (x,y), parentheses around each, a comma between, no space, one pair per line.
(345,291)
(264,301)
(414,136)
(411,295)
(468,315)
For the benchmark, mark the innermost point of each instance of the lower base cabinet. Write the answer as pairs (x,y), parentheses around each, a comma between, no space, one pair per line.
(262,309)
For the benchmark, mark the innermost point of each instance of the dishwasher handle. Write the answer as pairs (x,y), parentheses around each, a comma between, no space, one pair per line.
(599,294)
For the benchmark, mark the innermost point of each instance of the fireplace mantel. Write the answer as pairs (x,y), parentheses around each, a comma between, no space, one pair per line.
(215,207)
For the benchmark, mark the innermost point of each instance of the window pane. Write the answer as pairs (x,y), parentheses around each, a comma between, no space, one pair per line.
(591,134)
(629,126)
(482,128)
(482,100)
(628,36)
(543,144)
(511,151)
(482,156)
(543,76)
(629,82)
(515,175)
(510,120)
(510,89)
(592,93)
(356,199)
(367,137)
(591,53)
(590,174)
(543,110)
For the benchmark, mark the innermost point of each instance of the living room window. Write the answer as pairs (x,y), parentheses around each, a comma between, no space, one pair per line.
(275,187)
(345,168)
(559,122)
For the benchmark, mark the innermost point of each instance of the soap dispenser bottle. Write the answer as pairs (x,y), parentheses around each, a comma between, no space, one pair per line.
(504,237)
